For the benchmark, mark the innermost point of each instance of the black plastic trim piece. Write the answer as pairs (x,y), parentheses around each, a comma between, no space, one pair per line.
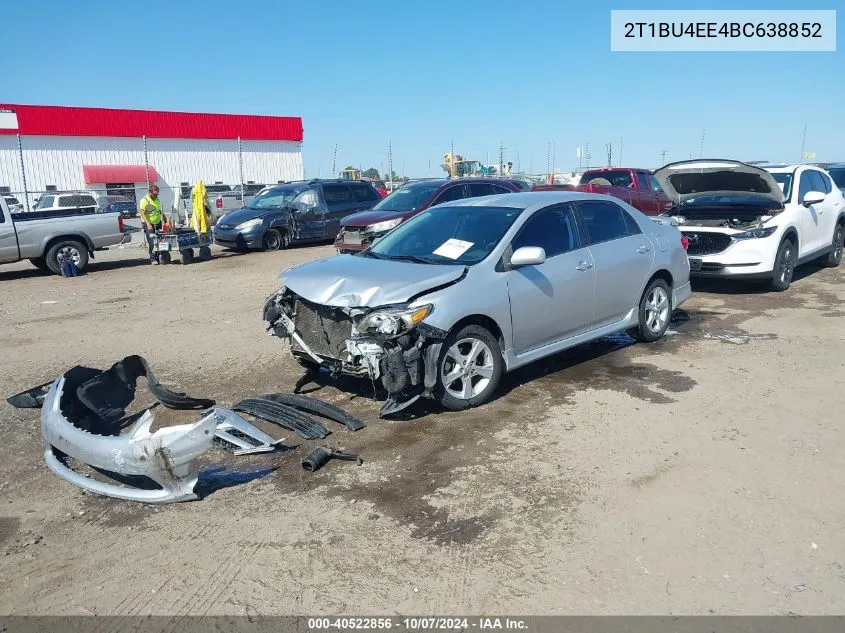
(312,405)
(284,416)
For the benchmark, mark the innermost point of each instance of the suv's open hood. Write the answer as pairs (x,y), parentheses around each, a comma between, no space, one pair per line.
(687,180)
(355,281)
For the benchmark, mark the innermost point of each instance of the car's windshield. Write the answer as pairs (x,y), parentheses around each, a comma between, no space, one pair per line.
(447,235)
(838,175)
(275,198)
(784,179)
(408,198)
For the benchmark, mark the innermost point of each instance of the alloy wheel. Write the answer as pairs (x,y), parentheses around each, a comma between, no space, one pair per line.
(657,309)
(69,252)
(467,368)
(786,265)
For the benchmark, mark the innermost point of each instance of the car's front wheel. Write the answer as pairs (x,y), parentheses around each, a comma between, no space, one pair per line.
(469,368)
(784,266)
(655,312)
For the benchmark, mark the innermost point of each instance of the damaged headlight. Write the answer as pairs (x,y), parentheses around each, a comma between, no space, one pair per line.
(755,233)
(380,227)
(394,321)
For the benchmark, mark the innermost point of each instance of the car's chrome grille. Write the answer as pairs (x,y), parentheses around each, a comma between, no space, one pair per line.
(324,329)
(704,243)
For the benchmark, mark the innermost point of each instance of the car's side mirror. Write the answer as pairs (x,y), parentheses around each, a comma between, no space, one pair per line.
(812,197)
(528,256)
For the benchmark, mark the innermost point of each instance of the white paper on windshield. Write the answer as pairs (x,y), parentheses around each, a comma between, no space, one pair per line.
(453,248)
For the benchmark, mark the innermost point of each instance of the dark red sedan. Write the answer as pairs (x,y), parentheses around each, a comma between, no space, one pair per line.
(359,230)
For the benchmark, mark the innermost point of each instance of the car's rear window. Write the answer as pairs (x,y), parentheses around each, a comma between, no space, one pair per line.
(617,178)
(838,175)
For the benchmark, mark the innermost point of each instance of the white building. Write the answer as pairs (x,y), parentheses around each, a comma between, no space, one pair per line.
(53,148)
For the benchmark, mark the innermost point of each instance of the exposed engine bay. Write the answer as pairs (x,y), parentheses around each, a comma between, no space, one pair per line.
(388,343)
(721,217)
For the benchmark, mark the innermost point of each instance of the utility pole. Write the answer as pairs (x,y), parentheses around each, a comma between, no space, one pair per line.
(452,161)
(803,141)
(549,160)
(518,164)
(554,157)
(587,156)
(390,163)
(334,160)
(620,151)
(701,149)
(609,154)
(501,159)
(663,157)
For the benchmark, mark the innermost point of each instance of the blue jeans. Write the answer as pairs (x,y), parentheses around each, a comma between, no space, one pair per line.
(151,240)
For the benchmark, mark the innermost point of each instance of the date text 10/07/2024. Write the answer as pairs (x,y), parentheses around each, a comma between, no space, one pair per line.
(418,624)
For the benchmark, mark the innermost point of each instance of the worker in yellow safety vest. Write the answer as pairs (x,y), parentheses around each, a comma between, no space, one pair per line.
(153,218)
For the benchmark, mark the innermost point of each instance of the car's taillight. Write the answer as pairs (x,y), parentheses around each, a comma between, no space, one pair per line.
(120,223)
(684,242)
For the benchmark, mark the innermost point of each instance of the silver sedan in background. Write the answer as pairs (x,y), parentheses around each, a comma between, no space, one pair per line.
(447,302)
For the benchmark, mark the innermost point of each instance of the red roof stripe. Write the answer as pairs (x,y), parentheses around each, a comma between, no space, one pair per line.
(72,121)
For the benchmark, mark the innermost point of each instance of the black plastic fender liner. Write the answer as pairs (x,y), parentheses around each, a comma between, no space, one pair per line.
(312,405)
(284,416)
(321,455)
(109,393)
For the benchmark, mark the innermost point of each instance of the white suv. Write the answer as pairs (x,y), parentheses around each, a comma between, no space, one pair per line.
(749,222)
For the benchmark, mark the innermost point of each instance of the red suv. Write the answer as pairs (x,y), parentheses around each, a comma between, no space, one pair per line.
(359,230)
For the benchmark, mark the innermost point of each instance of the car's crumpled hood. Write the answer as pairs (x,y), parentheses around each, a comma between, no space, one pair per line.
(354,281)
(365,218)
(684,181)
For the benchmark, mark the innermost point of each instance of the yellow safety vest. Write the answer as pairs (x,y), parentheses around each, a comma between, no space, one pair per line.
(154,214)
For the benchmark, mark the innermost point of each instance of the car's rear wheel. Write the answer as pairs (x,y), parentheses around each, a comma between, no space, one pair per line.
(275,240)
(784,266)
(655,312)
(834,257)
(469,368)
(71,249)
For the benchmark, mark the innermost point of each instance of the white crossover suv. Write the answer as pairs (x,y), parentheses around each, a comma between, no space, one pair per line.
(744,221)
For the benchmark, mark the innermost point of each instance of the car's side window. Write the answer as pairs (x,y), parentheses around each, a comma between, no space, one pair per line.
(500,189)
(642,181)
(450,194)
(818,182)
(337,194)
(605,221)
(655,186)
(306,201)
(805,185)
(552,229)
(828,186)
(364,193)
(477,189)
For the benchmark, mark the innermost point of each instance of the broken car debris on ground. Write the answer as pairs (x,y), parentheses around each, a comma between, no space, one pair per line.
(83,415)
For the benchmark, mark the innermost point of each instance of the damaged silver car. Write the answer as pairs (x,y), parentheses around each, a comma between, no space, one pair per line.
(447,302)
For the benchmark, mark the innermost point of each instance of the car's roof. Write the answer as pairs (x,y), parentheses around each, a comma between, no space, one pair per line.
(781,169)
(836,165)
(528,199)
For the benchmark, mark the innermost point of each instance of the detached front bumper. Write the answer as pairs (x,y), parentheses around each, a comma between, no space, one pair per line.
(167,457)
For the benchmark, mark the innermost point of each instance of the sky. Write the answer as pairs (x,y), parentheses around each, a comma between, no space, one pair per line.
(421,76)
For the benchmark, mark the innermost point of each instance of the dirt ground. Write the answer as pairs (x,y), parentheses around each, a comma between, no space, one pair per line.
(701,474)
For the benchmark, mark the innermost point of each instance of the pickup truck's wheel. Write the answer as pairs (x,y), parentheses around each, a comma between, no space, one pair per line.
(77,251)
(40,263)
(469,368)
(655,312)
(834,257)
(784,266)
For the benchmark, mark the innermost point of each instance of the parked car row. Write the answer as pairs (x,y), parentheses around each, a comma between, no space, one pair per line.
(462,290)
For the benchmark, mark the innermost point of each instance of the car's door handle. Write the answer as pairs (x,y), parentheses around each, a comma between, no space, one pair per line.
(583,266)
(643,249)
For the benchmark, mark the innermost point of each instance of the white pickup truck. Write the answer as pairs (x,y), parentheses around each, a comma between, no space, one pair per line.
(40,236)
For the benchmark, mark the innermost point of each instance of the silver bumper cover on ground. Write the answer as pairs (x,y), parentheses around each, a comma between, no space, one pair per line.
(167,457)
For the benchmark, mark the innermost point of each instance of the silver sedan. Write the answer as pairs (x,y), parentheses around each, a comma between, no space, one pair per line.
(450,300)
